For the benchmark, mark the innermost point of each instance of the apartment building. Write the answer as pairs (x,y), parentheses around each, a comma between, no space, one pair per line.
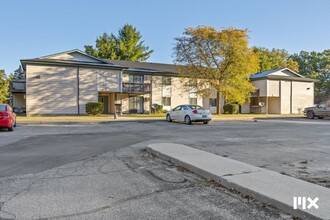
(62,84)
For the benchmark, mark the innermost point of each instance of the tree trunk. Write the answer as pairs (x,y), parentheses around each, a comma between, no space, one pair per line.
(218,103)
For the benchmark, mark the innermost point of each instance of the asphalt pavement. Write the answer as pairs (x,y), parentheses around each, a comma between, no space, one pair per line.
(101,171)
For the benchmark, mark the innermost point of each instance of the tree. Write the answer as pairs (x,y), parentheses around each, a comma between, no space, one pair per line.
(4,87)
(220,60)
(274,59)
(18,73)
(316,65)
(127,46)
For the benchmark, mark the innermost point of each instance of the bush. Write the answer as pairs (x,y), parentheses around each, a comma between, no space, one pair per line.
(94,108)
(157,109)
(230,108)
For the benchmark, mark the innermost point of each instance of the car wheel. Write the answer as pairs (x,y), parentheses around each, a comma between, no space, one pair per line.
(187,120)
(320,117)
(310,115)
(168,118)
(11,128)
(15,124)
(205,122)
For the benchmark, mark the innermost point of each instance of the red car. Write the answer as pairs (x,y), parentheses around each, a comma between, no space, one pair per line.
(7,117)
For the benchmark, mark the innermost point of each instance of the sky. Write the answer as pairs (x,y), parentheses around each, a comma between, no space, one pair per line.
(35,28)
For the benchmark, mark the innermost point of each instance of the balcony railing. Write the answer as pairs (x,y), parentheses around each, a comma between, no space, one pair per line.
(17,86)
(137,88)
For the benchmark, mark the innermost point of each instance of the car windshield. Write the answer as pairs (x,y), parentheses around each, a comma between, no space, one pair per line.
(2,108)
(197,107)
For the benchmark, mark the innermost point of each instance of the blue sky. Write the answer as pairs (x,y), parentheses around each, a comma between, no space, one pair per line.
(35,28)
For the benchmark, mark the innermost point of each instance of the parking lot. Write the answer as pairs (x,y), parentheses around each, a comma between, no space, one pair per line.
(60,160)
(296,147)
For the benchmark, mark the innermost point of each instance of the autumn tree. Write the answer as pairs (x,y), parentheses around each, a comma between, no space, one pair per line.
(4,85)
(217,59)
(316,65)
(274,59)
(128,45)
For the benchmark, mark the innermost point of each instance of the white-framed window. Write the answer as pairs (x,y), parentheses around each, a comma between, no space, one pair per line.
(166,101)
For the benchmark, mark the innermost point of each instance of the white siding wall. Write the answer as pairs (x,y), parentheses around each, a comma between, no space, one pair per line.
(262,86)
(87,87)
(108,80)
(273,88)
(302,97)
(73,56)
(55,92)
(285,97)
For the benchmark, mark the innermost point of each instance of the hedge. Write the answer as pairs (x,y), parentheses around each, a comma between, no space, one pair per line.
(94,108)
(230,108)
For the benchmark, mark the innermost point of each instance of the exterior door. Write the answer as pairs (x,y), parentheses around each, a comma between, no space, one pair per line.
(140,105)
(105,101)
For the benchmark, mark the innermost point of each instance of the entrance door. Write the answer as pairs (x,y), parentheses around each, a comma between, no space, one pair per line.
(136,105)
(140,105)
(105,101)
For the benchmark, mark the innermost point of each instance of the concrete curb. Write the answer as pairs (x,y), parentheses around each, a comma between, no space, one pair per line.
(266,186)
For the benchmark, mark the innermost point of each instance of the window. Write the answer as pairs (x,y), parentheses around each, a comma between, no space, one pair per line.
(166,81)
(178,108)
(136,78)
(193,101)
(323,105)
(197,107)
(2,108)
(166,101)
(213,102)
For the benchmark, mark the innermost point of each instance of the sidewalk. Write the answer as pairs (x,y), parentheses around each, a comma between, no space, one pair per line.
(266,186)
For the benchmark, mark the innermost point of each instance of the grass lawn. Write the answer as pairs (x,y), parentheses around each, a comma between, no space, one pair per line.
(145,116)
(63,118)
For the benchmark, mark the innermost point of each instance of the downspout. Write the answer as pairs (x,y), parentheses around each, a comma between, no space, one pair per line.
(78,92)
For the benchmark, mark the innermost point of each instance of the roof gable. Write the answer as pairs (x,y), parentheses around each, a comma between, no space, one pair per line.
(72,55)
(283,72)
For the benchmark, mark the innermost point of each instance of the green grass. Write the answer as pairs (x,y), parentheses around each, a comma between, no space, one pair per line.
(63,118)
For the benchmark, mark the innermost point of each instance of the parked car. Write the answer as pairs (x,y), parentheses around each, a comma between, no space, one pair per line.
(320,111)
(188,114)
(7,117)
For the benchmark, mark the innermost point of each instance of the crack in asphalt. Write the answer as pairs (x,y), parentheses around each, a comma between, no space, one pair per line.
(26,190)
(121,201)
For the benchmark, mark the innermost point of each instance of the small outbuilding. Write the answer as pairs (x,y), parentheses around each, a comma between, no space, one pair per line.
(280,91)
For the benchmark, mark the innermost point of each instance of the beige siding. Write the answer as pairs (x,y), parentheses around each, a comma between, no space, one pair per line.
(262,86)
(285,97)
(87,87)
(51,90)
(273,88)
(245,108)
(108,80)
(283,73)
(302,96)
(274,106)
(73,56)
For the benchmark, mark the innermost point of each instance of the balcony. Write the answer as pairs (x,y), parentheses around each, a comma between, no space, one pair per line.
(136,88)
(18,86)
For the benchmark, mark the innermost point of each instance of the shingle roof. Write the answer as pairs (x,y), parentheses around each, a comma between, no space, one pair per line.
(144,66)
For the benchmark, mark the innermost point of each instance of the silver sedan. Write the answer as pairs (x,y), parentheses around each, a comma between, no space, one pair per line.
(188,114)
